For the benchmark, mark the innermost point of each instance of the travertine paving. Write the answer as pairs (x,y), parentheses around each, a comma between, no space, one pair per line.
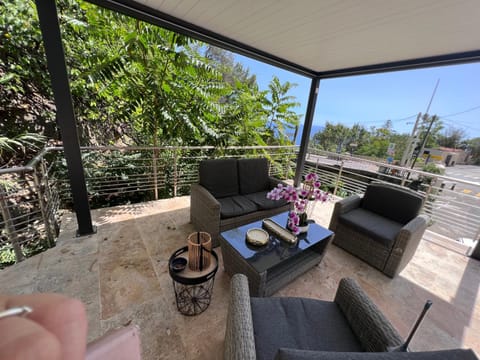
(121,275)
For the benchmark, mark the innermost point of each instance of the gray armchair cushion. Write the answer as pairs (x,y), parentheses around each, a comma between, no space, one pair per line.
(402,204)
(235,206)
(260,199)
(299,323)
(253,175)
(295,354)
(219,177)
(375,226)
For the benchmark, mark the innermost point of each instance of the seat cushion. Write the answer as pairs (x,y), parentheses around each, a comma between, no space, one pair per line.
(375,226)
(299,323)
(395,203)
(454,354)
(235,206)
(219,177)
(253,175)
(260,199)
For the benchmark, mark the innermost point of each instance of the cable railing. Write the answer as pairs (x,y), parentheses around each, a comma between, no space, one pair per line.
(453,214)
(33,197)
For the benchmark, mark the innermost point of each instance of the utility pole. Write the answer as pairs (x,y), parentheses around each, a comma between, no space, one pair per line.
(411,144)
(434,118)
(418,152)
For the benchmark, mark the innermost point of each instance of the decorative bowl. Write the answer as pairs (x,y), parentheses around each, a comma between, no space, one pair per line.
(257,237)
(178,264)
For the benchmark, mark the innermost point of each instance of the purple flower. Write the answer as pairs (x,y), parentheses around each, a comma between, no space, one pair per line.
(299,197)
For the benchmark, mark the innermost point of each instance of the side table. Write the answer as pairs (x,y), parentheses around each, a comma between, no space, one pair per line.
(193,289)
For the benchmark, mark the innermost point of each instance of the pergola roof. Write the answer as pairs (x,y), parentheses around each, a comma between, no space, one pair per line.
(325,38)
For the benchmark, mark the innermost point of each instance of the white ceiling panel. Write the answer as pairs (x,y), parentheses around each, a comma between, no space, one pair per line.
(328,35)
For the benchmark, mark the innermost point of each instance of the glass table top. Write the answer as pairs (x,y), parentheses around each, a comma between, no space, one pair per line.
(265,257)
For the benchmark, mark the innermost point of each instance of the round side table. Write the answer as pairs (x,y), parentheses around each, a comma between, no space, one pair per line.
(193,289)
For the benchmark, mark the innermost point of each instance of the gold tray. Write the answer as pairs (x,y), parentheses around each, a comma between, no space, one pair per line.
(279,231)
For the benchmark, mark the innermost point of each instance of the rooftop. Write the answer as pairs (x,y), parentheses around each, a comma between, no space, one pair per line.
(121,275)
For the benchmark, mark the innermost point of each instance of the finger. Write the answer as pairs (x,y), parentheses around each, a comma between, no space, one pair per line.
(24,339)
(62,316)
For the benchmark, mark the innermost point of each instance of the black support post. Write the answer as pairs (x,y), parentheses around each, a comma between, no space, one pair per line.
(48,16)
(307,127)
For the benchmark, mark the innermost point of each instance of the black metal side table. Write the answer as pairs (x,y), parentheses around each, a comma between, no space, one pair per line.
(193,289)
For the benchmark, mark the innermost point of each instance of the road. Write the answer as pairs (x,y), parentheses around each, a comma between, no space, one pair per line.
(467,173)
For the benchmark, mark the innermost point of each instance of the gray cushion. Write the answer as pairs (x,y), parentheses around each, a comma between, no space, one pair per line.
(260,199)
(235,206)
(253,175)
(299,323)
(219,177)
(296,354)
(375,226)
(394,203)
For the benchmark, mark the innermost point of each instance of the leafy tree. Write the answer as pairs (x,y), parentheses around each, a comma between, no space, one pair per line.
(451,137)
(25,97)
(336,137)
(282,119)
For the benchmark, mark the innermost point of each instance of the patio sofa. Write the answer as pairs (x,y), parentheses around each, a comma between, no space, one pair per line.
(383,228)
(285,328)
(231,193)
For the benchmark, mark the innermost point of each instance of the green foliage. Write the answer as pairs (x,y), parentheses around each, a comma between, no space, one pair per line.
(433,168)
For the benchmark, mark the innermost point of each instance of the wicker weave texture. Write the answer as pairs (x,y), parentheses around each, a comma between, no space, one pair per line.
(239,339)
(371,327)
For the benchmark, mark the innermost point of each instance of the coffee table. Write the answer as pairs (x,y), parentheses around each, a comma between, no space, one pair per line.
(272,266)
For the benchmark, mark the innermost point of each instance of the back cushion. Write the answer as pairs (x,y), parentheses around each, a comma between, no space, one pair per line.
(219,176)
(253,175)
(394,203)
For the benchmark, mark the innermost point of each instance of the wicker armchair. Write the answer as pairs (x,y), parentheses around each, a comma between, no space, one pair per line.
(257,328)
(383,228)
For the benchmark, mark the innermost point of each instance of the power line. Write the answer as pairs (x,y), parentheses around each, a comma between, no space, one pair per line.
(462,112)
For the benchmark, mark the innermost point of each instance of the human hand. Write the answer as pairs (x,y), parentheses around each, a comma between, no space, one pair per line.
(56,329)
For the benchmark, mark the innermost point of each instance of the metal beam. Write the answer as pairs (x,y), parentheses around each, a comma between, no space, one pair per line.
(139,11)
(410,64)
(307,127)
(48,16)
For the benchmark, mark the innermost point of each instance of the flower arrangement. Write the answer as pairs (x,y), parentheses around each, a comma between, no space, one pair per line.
(301,198)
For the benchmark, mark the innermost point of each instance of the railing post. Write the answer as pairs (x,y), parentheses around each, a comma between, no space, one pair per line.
(155,178)
(175,172)
(338,178)
(41,202)
(9,225)
(49,197)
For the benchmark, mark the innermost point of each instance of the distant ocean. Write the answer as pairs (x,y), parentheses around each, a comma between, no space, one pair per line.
(315,129)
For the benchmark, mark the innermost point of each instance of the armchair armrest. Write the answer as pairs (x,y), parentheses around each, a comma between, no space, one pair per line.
(239,340)
(343,206)
(406,244)
(205,211)
(371,327)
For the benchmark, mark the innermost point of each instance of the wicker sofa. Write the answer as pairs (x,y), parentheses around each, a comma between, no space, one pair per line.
(285,328)
(231,193)
(383,228)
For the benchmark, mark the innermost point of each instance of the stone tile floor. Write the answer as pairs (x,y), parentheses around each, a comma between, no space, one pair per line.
(121,275)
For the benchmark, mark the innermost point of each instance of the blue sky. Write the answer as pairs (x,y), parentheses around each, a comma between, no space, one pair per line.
(373,99)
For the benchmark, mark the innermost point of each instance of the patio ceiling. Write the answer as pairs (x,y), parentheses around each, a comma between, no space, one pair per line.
(325,38)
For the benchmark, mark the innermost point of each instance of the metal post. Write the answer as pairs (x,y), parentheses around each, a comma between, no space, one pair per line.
(339,177)
(307,127)
(175,172)
(48,17)
(43,207)
(9,225)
